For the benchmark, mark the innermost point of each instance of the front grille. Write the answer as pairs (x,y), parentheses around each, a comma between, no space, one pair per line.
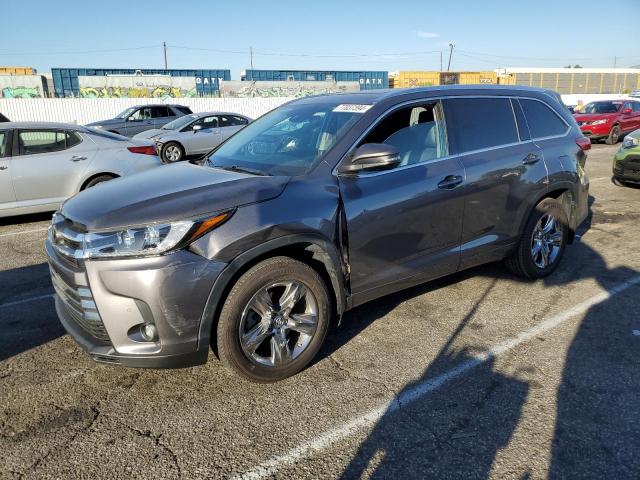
(67,238)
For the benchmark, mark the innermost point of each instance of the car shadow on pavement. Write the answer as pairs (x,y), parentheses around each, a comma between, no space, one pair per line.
(458,434)
(27,315)
(26,219)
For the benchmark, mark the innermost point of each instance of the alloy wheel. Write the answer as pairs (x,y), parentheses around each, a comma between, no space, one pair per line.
(278,323)
(546,241)
(173,153)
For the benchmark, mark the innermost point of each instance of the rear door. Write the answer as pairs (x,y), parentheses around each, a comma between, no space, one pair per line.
(404,224)
(230,124)
(7,196)
(161,115)
(48,164)
(205,139)
(505,171)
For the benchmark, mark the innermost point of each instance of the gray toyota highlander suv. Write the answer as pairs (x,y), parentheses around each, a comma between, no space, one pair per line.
(318,206)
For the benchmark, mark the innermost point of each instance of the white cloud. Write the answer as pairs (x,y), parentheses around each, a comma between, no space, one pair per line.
(423,34)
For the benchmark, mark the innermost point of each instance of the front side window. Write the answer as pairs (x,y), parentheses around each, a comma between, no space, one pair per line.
(543,122)
(479,123)
(180,122)
(33,142)
(290,140)
(141,114)
(417,132)
(127,113)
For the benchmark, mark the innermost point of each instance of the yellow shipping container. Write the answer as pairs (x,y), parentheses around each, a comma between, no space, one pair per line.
(472,78)
(16,71)
(411,79)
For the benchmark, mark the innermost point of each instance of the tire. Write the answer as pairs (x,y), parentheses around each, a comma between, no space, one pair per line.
(614,136)
(172,152)
(96,180)
(524,262)
(247,341)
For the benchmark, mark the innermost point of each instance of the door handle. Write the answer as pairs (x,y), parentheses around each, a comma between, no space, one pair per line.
(77,158)
(531,159)
(450,181)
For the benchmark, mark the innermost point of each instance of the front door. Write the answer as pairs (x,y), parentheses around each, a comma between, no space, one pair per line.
(404,224)
(207,137)
(139,121)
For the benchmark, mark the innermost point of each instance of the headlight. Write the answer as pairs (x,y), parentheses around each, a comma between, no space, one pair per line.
(146,241)
(599,122)
(630,142)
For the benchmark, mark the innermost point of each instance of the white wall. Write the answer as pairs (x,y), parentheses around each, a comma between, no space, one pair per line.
(86,110)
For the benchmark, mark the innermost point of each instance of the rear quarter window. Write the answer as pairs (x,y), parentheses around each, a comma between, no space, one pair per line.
(542,120)
(184,110)
(478,123)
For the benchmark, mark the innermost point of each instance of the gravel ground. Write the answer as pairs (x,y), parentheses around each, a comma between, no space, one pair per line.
(478,375)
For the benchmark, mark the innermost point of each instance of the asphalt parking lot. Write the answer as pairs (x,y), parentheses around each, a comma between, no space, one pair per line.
(479,375)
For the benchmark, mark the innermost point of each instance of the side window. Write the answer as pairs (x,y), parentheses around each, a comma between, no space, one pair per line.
(635,106)
(33,142)
(184,110)
(206,122)
(543,122)
(418,133)
(236,121)
(3,144)
(223,121)
(140,114)
(160,112)
(478,123)
(73,139)
(523,128)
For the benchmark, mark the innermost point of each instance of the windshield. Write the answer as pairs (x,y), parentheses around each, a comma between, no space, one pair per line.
(602,107)
(287,141)
(127,112)
(180,122)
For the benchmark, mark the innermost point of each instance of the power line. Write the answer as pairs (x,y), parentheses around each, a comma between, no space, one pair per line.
(82,52)
(310,55)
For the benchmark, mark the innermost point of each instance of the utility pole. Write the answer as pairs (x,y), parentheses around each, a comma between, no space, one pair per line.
(440,60)
(164,47)
(615,61)
(251,56)
(451,45)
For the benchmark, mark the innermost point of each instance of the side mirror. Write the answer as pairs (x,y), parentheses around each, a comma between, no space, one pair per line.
(371,157)
(627,111)
(196,128)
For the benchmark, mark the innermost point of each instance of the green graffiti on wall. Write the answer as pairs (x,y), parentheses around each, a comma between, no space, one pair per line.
(136,92)
(20,92)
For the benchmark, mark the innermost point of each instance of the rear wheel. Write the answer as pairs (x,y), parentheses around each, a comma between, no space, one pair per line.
(96,180)
(274,320)
(542,243)
(172,152)
(614,135)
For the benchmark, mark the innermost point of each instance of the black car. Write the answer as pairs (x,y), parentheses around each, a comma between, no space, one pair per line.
(3,118)
(319,206)
(141,118)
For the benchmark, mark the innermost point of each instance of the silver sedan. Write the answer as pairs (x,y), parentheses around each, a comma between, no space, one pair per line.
(194,134)
(43,164)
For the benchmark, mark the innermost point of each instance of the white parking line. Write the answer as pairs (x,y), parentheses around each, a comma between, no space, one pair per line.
(10,234)
(25,300)
(270,467)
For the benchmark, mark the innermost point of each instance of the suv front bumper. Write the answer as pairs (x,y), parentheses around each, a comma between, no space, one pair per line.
(103,303)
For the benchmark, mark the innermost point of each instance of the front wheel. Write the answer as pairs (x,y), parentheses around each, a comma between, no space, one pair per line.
(542,243)
(274,320)
(614,136)
(172,152)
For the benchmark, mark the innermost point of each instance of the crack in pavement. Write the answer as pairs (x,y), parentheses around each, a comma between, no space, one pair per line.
(340,366)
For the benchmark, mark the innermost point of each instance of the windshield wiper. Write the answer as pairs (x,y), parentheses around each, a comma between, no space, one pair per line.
(235,168)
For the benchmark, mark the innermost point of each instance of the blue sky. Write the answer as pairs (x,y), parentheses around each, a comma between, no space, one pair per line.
(342,35)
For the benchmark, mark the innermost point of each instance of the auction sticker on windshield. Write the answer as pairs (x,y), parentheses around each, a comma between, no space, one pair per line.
(352,107)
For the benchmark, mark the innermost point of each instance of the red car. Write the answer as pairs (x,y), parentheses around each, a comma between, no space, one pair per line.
(609,119)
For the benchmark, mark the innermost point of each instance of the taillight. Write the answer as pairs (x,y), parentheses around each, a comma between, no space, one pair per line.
(584,143)
(144,150)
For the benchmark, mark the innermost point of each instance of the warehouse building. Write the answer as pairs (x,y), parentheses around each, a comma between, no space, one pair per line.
(67,81)
(366,79)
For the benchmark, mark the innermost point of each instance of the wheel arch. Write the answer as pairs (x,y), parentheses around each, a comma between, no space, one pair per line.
(562,192)
(177,142)
(96,175)
(317,252)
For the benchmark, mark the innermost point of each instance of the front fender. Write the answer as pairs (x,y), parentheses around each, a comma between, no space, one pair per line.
(325,250)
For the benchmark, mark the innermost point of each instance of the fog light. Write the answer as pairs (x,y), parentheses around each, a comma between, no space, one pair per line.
(149,332)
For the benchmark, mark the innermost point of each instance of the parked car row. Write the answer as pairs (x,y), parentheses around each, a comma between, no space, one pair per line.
(609,120)
(43,164)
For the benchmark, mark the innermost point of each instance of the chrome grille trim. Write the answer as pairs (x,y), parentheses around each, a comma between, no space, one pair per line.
(67,239)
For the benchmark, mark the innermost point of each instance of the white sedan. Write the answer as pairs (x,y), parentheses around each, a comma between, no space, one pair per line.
(194,134)
(42,164)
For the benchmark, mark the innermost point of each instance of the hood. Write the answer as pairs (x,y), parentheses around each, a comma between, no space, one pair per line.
(111,121)
(590,117)
(167,193)
(150,134)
